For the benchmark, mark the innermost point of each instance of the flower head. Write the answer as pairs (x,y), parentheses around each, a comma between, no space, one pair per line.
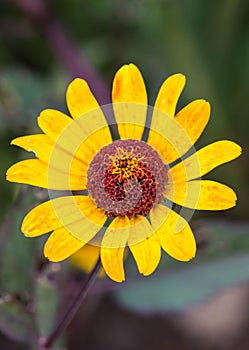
(129,163)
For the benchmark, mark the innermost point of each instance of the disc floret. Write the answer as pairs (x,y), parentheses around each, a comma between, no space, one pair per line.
(127,178)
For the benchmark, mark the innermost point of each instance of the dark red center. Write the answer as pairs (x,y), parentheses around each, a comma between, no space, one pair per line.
(126,177)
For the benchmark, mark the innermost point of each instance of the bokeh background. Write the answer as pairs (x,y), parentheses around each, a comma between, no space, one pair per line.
(45,44)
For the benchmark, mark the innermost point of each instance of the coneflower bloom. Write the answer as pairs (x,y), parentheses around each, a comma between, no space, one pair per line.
(123,176)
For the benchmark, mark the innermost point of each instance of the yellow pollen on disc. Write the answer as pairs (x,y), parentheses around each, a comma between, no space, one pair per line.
(127,168)
(122,154)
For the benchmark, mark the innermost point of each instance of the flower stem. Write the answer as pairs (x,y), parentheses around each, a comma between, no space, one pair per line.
(73,308)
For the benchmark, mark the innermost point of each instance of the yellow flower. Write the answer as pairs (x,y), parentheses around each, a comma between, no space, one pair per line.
(129,171)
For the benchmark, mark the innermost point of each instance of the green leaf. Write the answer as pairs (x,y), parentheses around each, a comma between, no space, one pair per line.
(221,261)
(17,251)
(8,156)
(23,94)
(184,287)
(224,237)
(46,305)
(15,322)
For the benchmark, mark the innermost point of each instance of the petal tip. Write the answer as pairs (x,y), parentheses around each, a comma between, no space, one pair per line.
(76,81)
(204,104)
(207,103)
(232,196)
(189,257)
(147,273)
(118,279)
(126,68)
(24,230)
(10,173)
(181,77)
(132,66)
(49,254)
(237,148)
(13,142)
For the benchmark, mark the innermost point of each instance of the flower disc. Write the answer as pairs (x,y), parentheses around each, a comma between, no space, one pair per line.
(126,177)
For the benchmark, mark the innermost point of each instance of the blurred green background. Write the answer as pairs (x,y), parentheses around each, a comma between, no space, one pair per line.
(43,46)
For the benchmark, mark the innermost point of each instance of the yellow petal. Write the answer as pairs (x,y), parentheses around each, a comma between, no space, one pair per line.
(80,138)
(66,132)
(37,173)
(146,253)
(193,118)
(78,214)
(91,221)
(53,122)
(129,99)
(168,137)
(169,94)
(204,160)
(68,137)
(40,144)
(41,219)
(43,147)
(215,196)
(70,134)
(94,134)
(60,245)
(163,146)
(80,98)
(112,260)
(113,246)
(117,233)
(86,258)
(181,245)
(186,194)
(202,195)
(128,85)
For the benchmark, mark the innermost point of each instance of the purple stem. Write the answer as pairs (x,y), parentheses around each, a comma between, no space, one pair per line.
(73,307)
